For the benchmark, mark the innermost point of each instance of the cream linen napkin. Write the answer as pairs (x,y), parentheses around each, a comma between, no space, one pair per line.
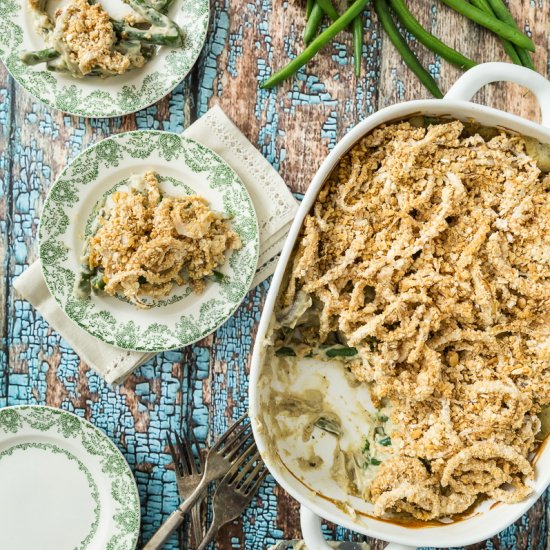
(275,207)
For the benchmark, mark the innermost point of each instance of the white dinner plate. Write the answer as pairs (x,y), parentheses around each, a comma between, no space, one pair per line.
(63,484)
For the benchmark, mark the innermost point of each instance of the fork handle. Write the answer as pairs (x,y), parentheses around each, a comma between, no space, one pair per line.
(177,516)
(164,532)
(209,535)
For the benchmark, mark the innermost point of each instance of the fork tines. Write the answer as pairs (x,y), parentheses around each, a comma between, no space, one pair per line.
(248,472)
(234,434)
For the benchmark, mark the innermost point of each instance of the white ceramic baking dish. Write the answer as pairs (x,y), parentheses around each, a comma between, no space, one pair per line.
(488,520)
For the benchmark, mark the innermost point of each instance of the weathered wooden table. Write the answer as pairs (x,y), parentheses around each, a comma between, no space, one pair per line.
(294,126)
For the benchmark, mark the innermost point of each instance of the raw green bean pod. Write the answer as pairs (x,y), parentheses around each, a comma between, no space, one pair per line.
(491,23)
(328,7)
(501,11)
(357,33)
(313,23)
(508,47)
(429,40)
(324,38)
(402,47)
(309,7)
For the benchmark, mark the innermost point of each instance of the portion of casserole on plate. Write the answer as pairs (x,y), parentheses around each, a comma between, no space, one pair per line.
(143,243)
(82,39)
(424,267)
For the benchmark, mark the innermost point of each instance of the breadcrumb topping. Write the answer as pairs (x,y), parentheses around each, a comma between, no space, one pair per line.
(146,243)
(429,251)
(86,32)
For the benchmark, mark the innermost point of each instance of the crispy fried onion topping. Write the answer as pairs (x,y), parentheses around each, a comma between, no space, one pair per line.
(492,468)
(428,251)
(147,243)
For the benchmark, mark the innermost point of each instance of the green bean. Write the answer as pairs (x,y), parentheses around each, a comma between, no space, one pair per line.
(328,425)
(285,352)
(217,276)
(163,30)
(429,40)
(98,281)
(341,352)
(356,29)
(313,23)
(144,8)
(39,56)
(491,23)
(386,441)
(509,48)
(326,36)
(375,461)
(502,12)
(526,59)
(309,7)
(402,47)
(329,9)
(426,464)
(155,35)
(357,32)
(135,48)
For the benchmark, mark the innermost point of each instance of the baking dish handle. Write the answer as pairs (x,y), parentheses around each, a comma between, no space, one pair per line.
(313,535)
(477,77)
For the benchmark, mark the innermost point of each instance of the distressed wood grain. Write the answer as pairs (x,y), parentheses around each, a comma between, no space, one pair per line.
(205,386)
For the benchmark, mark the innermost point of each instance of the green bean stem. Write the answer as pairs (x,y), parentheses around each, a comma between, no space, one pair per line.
(491,23)
(508,47)
(384,15)
(501,11)
(309,7)
(324,38)
(429,40)
(39,56)
(357,32)
(313,23)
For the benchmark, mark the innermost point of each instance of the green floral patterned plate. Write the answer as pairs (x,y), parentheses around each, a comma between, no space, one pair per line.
(64,484)
(184,166)
(94,96)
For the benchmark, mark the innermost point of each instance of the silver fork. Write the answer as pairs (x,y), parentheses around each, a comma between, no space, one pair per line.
(219,460)
(236,490)
(188,476)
